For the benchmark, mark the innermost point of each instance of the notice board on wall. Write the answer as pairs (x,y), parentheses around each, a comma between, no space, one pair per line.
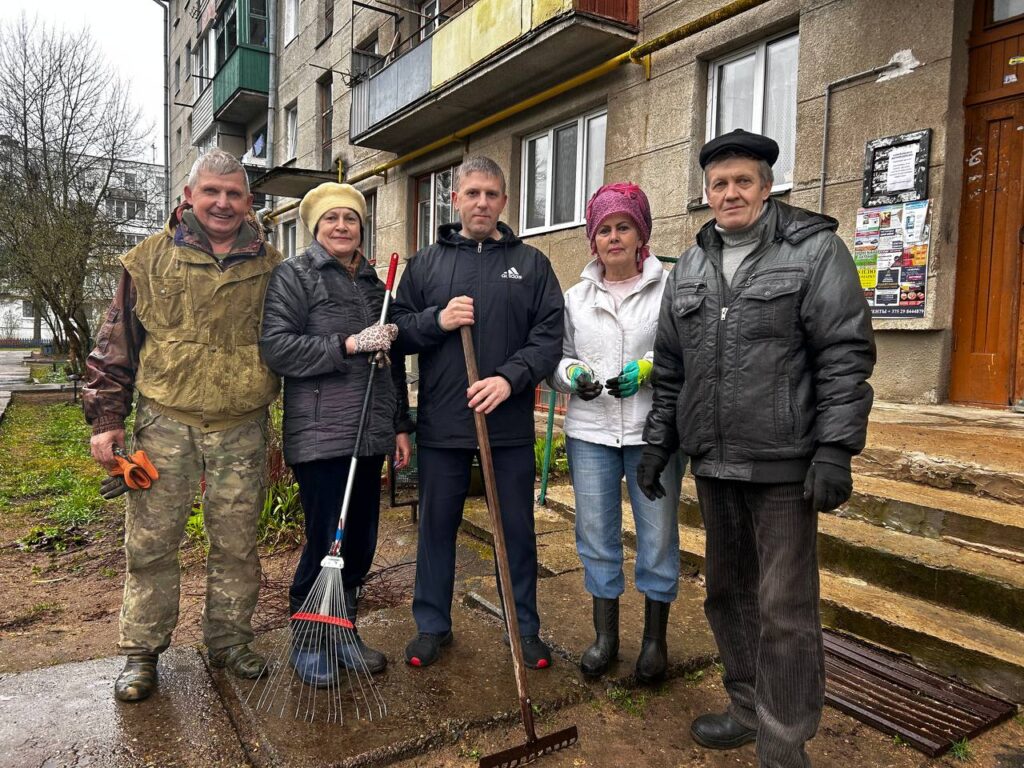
(896,168)
(890,249)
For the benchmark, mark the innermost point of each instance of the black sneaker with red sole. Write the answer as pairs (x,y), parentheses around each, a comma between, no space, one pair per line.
(425,648)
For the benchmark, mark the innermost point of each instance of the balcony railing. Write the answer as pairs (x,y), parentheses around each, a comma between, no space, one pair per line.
(240,86)
(489,55)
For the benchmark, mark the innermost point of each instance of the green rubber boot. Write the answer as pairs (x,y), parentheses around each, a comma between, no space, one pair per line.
(240,660)
(138,679)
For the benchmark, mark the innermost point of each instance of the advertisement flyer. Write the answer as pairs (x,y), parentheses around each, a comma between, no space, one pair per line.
(890,250)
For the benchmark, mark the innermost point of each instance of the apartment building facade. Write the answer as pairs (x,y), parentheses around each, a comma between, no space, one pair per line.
(904,121)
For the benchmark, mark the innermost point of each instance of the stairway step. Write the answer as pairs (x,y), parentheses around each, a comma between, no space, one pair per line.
(972,649)
(971,450)
(936,569)
(969,521)
(949,641)
(928,569)
(995,526)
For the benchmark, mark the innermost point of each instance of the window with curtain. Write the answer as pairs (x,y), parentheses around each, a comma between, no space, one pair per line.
(755,89)
(1004,10)
(562,167)
(288,239)
(291,20)
(433,205)
(370,228)
(291,131)
(325,105)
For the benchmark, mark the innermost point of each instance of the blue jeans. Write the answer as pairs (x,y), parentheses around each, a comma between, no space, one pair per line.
(597,472)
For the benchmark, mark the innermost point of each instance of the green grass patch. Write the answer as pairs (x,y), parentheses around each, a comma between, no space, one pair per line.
(631,702)
(47,374)
(961,750)
(281,520)
(559,462)
(45,467)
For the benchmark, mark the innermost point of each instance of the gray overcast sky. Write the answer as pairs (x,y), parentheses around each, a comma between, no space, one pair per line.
(130,35)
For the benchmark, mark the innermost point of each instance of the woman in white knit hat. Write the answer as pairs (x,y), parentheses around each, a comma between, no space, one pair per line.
(320,321)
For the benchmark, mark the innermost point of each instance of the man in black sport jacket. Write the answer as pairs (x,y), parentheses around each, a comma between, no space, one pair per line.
(480,274)
(761,362)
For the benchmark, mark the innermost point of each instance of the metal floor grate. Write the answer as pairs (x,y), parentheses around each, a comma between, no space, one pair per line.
(928,712)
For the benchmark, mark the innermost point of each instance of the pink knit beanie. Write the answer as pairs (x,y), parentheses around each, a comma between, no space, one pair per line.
(626,198)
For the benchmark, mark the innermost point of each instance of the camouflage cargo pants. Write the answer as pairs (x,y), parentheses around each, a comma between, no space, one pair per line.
(234,462)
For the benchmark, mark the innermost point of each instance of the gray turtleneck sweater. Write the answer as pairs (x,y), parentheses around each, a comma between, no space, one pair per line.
(737,244)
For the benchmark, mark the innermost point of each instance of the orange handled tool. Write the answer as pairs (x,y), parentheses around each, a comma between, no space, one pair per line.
(138,471)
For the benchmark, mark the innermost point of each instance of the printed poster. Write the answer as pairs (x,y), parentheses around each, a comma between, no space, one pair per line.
(890,250)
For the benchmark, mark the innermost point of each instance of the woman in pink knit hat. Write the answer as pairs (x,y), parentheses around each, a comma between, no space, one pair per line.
(611,317)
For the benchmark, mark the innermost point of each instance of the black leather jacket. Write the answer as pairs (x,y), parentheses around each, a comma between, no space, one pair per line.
(754,380)
(312,305)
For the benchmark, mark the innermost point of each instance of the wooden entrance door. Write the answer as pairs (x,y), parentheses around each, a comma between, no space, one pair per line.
(988,338)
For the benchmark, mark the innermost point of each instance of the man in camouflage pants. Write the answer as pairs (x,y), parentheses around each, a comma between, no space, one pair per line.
(183,331)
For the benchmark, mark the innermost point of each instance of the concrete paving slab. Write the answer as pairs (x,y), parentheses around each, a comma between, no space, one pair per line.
(476,520)
(67,716)
(471,686)
(556,539)
(567,622)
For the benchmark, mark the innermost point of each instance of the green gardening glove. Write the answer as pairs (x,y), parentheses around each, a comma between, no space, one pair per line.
(629,381)
(581,379)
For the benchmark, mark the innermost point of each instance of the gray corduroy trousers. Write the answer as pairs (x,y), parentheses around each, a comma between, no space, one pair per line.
(762,605)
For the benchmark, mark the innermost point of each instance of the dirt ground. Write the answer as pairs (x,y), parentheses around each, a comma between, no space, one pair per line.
(58,607)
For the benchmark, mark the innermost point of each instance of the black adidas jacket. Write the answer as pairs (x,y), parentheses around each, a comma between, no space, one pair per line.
(517,334)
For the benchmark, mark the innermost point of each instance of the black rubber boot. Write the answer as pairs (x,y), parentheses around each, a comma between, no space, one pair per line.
(653,659)
(355,654)
(605,648)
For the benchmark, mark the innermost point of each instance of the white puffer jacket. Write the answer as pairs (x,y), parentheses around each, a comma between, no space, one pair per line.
(605,339)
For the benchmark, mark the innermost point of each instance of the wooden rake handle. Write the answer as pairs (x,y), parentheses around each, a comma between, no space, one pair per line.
(500,551)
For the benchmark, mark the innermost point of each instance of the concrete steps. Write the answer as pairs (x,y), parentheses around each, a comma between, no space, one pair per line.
(913,556)
(956,611)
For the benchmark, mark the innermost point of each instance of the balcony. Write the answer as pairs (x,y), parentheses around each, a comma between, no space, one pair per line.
(490,56)
(240,86)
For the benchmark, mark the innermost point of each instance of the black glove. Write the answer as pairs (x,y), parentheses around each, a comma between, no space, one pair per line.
(581,380)
(113,486)
(653,461)
(827,485)
(588,390)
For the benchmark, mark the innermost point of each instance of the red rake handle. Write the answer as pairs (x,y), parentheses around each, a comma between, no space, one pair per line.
(392,269)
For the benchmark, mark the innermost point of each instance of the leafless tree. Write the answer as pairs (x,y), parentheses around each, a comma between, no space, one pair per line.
(66,121)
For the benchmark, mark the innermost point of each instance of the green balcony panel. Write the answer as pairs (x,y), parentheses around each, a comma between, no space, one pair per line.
(240,87)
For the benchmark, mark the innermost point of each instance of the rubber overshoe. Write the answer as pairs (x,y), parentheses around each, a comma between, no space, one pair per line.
(314,668)
(425,648)
(240,660)
(138,679)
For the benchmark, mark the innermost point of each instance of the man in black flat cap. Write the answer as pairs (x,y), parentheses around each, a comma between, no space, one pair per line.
(761,367)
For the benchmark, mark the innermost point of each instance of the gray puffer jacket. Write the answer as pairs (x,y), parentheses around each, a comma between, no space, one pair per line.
(312,305)
(754,380)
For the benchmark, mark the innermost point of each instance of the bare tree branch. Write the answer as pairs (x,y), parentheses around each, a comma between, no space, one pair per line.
(67,126)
